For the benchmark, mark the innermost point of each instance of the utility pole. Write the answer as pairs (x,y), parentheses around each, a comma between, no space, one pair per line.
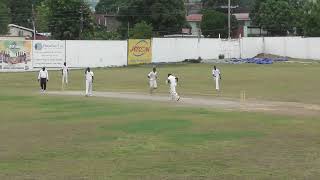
(229,19)
(34,23)
(81,19)
(128,29)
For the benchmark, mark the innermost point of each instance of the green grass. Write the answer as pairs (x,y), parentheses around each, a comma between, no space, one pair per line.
(293,82)
(50,137)
(47,137)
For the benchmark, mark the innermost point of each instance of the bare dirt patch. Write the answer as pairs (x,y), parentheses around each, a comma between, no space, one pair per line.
(283,108)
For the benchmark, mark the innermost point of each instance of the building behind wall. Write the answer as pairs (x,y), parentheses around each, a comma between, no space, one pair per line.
(20,32)
(194,21)
(109,21)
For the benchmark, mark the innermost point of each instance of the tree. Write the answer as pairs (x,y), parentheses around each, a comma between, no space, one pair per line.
(141,30)
(254,9)
(246,3)
(312,19)
(5,18)
(216,4)
(299,9)
(166,16)
(214,23)
(100,33)
(279,17)
(69,19)
(42,17)
(110,6)
(276,16)
(21,12)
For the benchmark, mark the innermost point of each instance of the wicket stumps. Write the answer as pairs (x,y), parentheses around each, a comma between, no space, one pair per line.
(243,96)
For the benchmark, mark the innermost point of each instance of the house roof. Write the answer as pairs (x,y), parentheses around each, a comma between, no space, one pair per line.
(242,16)
(28,29)
(194,17)
(20,27)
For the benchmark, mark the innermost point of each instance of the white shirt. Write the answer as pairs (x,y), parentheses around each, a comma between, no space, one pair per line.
(64,69)
(43,74)
(152,76)
(172,80)
(89,76)
(216,73)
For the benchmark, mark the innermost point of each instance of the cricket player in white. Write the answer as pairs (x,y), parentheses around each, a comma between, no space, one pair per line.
(153,80)
(65,71)
(172,81)
(217,77)
(89,81)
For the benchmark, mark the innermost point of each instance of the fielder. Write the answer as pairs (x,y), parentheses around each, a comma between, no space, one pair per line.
(153,80)
(217,77)
(89,81)
(43,78)
(65,72)
(172,81)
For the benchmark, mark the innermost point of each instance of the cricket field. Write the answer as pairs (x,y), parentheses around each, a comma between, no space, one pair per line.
(57,137)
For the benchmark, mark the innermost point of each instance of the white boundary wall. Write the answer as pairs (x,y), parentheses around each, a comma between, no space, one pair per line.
(80,54)
(179,49)
(96,53)
(294,47)
(251,47)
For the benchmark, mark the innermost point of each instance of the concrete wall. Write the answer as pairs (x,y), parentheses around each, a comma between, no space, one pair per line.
(179,49)
(114,53)
(294,47)
(250,47)
(96,53)
(173,49)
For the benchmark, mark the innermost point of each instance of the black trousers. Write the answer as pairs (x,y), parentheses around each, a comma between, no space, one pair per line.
(43,83)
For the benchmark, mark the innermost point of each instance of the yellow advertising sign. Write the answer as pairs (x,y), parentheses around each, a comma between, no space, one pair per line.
(139,51)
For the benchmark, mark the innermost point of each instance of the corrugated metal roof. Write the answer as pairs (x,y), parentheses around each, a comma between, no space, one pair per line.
(194,17)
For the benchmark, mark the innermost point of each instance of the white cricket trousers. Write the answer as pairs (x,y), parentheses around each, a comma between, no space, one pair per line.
(153,84)
(88,87)
(65,78)
(173,93)
(217,79)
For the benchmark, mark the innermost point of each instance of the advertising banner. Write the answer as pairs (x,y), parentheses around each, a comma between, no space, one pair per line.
(49,54)
(139,51)
(15,55)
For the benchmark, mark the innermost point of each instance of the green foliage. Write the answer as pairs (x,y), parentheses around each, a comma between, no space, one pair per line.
(279,17)
(21,12)
(106,6)
(312,21)
(216,4)
(68,17)
(215,23)
(42,16)
(141,30)
(5,18)
(246,3)
(109,6)
(166,17)
(101,34)
(254,9)
(276,16)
